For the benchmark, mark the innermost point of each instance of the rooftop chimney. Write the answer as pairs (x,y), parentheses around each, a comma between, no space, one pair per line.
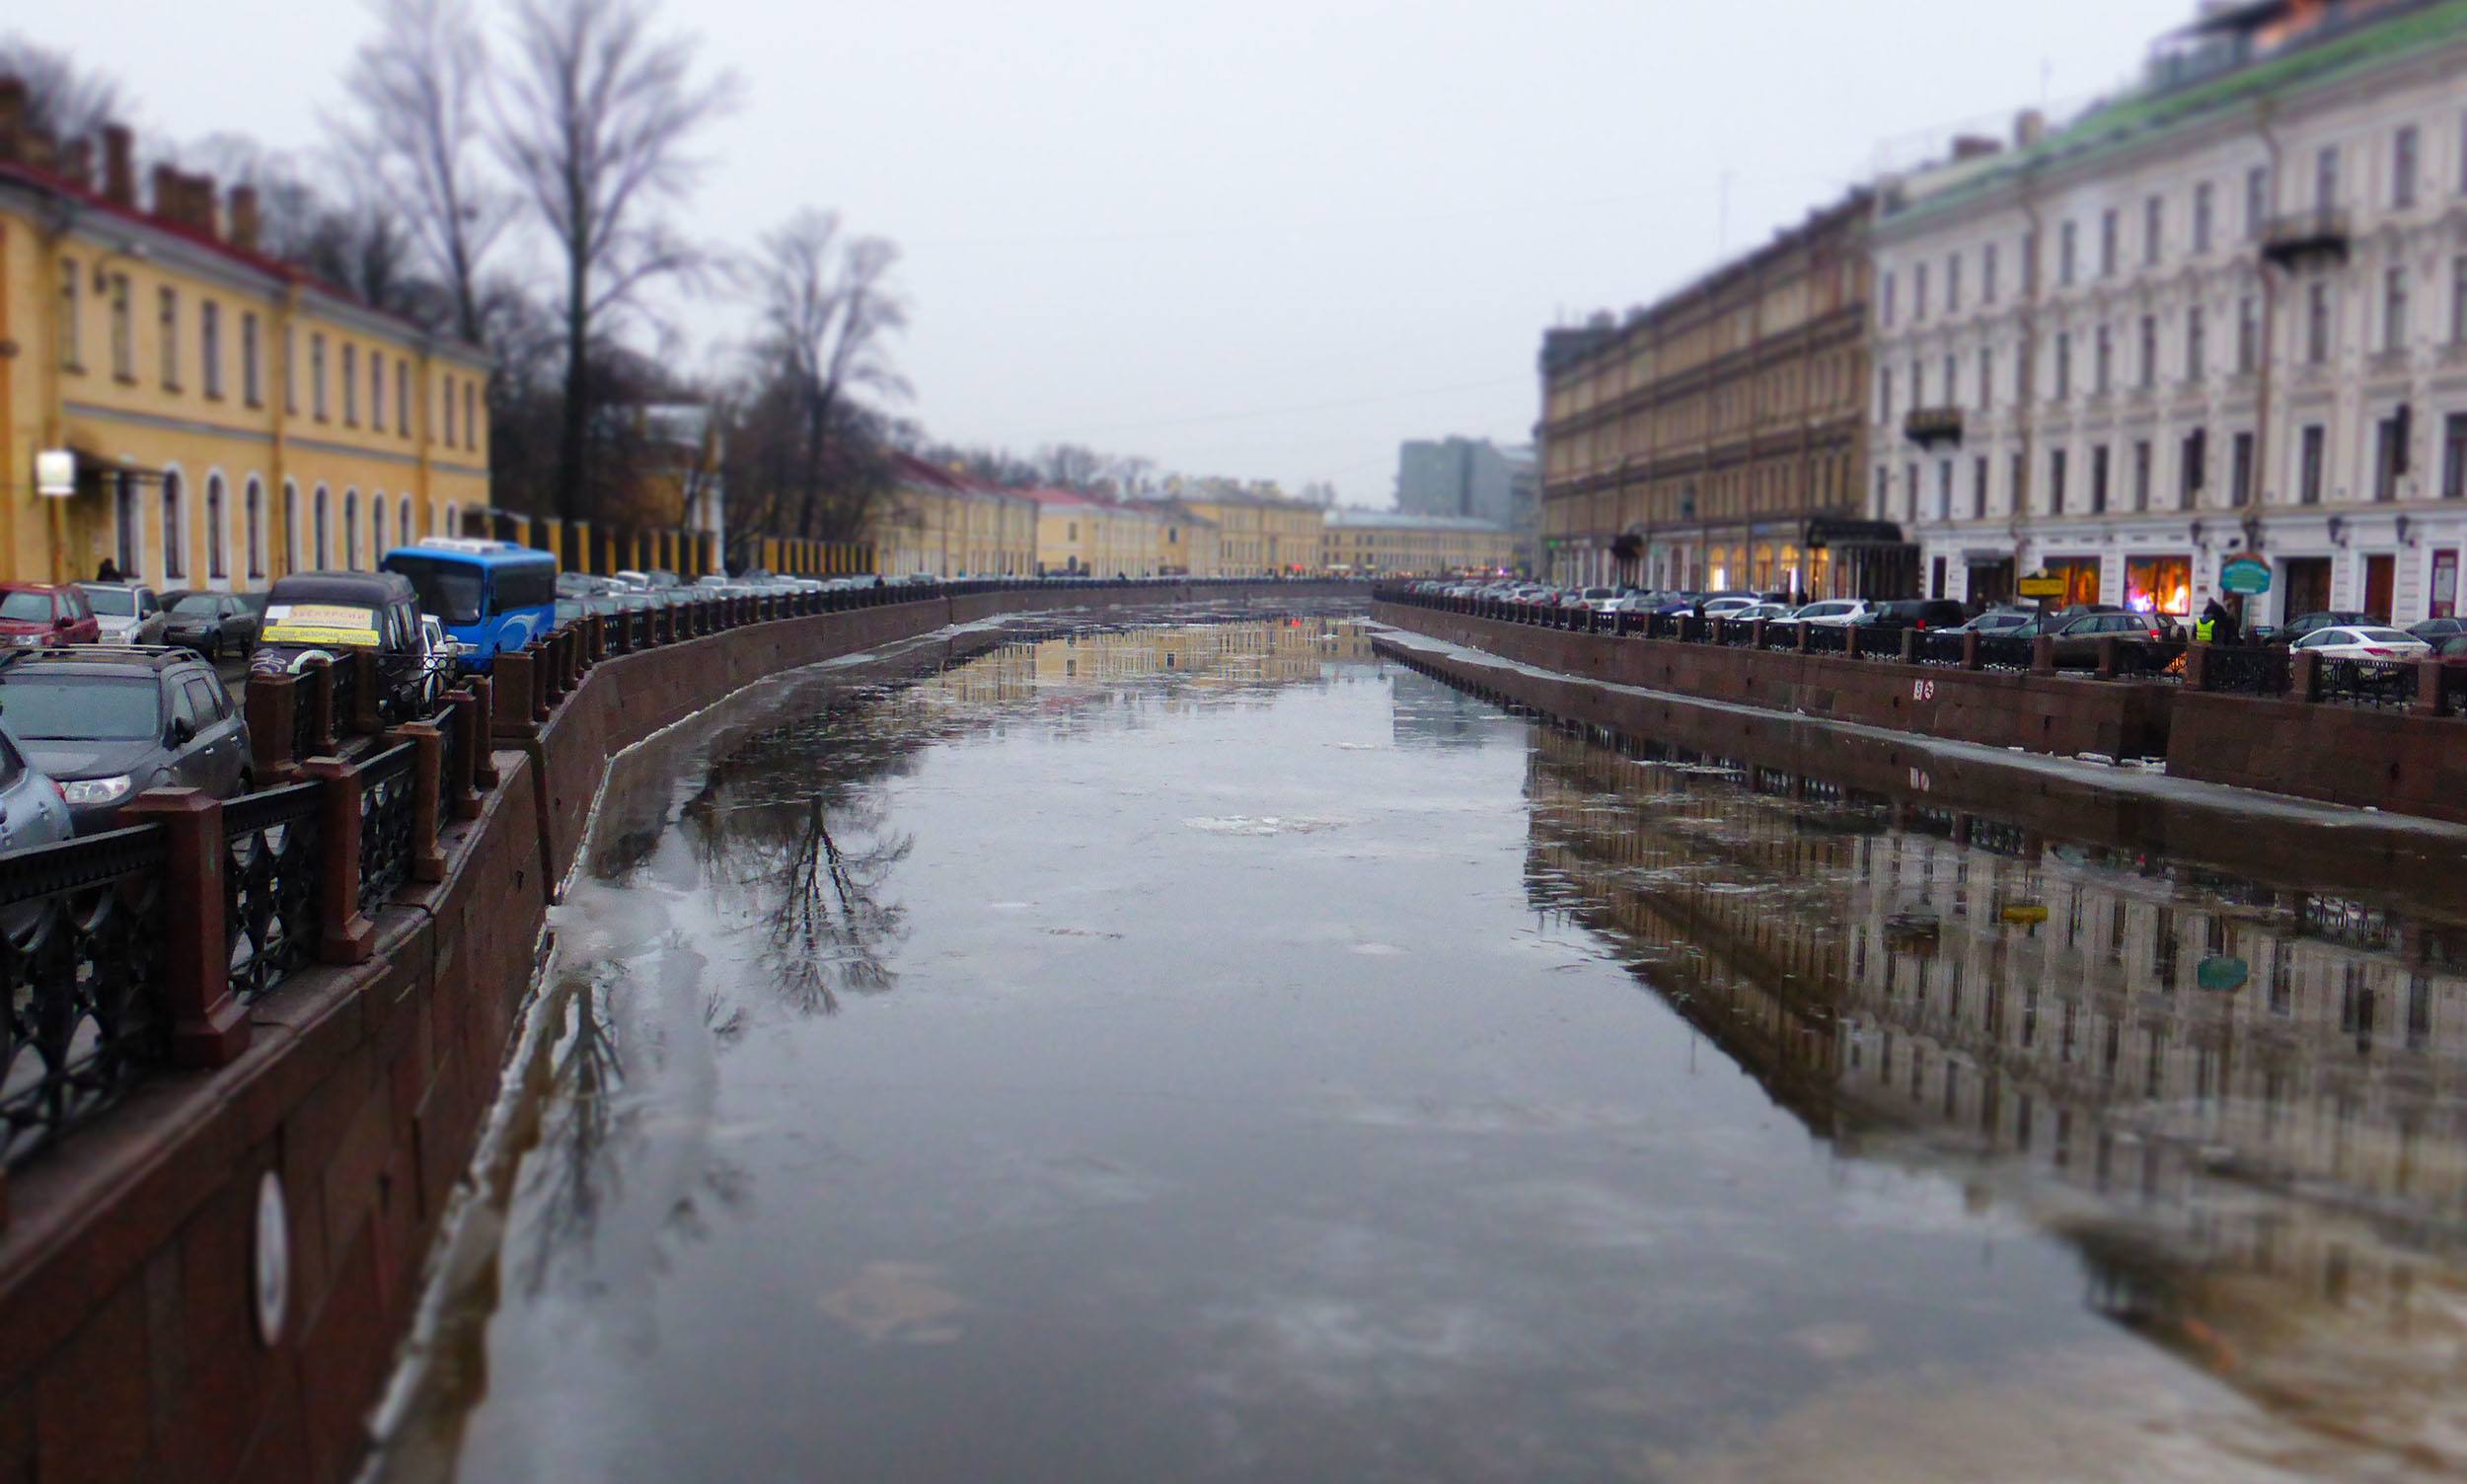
(120,169)
(2029,128)
(244,218)
(1975,147)
(77,163)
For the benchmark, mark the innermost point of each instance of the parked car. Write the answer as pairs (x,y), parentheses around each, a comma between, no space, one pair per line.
(2303,624)
(212,624)
(1596,599)
(1998,620)
(2077,634)
(2434,632)
(32,808)
(127,613)
(2362,641)
(1913,612)
(1838,611)
(332,614)
(37,613)
(1726,605)
(108,724)
(445,658)
(1771,612)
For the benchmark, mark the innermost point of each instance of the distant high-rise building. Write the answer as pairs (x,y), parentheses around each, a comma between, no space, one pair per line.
(1467,476)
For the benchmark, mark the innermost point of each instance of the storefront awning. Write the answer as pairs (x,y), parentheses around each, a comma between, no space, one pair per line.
(1833,531)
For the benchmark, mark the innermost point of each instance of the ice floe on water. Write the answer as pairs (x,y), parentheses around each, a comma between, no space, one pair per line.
(1264,824)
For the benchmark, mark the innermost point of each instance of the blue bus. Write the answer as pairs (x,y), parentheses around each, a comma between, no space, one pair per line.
(490,595)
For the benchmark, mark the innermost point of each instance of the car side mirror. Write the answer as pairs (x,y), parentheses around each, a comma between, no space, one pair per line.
(184,731)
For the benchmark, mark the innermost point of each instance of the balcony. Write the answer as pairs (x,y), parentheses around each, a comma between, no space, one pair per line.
(2303,238)
(1929,426)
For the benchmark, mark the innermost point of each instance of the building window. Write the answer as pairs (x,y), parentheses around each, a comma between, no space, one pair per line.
(167,316)
(2458,300)
(471,419)
(402,396)
(2018,473)
(2403,166)
(2240,472)
(2108,234)
(1880,492)
(124,533)
(377,525)
(2141,474)
(2256,201)
(376,390)
(2066,245)
(123,330)
(2158,584)
(72,318)
(1944,490)
(2098,479)
(2105,364)
(251,368)
(2150,352)
(174,557)
(2056,481)
(2316,453)
(1918,385)
(449,412)
(1978,488)
(1919,292)
(1987,274)
(2317,323)
(351,527)
(324,529)
(2389,456)
(1889,298)
(2248,335)
(1909,477)
(291,371)
(2193,469)
(2063,365)
(1953,283)
(1986,378)
(2454,456)
(210,346)
(2202,218)
(351,386)
(217,568)
(316,384)
(2153,225)
(2326,179)
(254,515)
(1951,375)
(402,520)
(2394,311)
(2196,346)
(2030,263)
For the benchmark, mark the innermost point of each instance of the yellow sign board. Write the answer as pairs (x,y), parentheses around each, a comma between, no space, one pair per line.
(321,624)
(2025,914)
(2040,586)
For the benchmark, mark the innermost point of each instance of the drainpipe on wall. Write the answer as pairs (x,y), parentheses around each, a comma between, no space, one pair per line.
(2268,337)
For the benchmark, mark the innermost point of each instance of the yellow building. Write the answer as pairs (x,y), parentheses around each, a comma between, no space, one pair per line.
(1258,535)
(225,419)
(946,525)
(1186,542)
(1081,532)
(1395,543)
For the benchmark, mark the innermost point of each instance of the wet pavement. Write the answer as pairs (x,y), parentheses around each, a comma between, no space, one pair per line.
(1209,1050)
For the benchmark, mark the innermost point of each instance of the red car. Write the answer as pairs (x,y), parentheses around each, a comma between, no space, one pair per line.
(37,613)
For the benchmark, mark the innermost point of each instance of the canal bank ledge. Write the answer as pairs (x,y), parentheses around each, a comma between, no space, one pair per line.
(209,1281)
(2407,758)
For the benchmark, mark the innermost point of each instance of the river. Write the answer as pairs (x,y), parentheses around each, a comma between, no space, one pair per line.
(1208,1051)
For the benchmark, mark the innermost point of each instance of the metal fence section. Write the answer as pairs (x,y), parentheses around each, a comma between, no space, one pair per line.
(386,818)
(2253,670)
(82,935)
(271,883)
(2368,682)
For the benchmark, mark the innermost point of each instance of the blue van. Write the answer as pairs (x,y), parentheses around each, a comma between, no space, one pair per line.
(490,595)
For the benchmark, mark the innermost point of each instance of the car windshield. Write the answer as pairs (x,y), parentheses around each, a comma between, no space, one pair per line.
(449,589)
(1823,610)
(195,606)
(26,608)
(86,708)
(117,601)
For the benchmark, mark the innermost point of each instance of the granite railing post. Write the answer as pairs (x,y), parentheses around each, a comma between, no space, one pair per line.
(366,720)
(1910,646)
(483,773)
(1799,637)
(346,936)
(2042,654)
(271,703)
(1970,648)
(427,798)
(208,1025)
(2427,701)
(2196,665)
(319,672)
(515,683)
(2107,657)
(462,712)
(2304,676)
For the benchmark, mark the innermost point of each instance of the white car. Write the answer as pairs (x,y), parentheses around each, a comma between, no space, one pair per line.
(1729,608)
(1834,611)
(1596,599)
(2363,644)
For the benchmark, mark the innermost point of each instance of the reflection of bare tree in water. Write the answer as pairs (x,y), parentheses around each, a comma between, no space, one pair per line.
(829,922)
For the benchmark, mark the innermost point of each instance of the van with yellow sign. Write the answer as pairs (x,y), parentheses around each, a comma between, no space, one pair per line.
(332,614)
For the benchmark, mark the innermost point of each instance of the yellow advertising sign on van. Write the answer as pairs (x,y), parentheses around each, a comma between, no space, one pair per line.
(321,624)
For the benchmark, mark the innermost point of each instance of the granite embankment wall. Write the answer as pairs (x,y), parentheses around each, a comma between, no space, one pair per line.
(134,1257)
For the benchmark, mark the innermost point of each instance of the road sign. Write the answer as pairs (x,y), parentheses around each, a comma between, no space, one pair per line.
(2245,574)
(2040,586)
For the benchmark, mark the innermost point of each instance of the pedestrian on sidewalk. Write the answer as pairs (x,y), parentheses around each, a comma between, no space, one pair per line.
(110,571)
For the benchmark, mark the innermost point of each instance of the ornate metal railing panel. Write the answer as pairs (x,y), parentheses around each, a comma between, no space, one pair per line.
(81,933)
(452,765)
(2368,682)
(386,812)
(2259,670)
(1738,635)
(1781,636)
(2453,697)
(1828,639)
(2150,659)
(303,717)
(1938,648)
(347,693)
(2004,651)
(272,884)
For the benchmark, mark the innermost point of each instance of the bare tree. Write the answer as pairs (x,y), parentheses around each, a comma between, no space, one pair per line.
(1070,465)
(62,98)
(421,87)
(594,122)
(828,311)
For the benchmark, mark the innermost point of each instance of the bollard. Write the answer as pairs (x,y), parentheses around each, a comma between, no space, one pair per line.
(209,1027)
(320,673)
(514,681)
(1910,646)
(348,936)
(1970,649)
(2303,676)
(367,718)
(2042,654)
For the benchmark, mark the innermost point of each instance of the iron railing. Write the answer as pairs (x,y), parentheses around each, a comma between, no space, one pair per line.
(2005,651)
(2149,659)
(387,809)
(81,934)
(1936,647)
(2366,682)
(272,876)
(2255,670)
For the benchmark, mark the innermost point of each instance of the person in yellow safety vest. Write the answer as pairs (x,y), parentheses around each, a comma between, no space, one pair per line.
(2206,630)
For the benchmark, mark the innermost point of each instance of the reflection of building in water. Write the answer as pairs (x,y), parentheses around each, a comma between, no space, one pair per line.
(1273,652)
(2299,1131)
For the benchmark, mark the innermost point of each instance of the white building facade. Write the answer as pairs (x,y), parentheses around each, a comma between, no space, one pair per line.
(2224,315)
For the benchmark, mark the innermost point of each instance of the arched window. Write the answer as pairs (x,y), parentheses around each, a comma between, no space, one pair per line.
(324,531)
(403,507)
(351,529)
(217,565)
(174,562)
(453,518)
(377,524)
(125,533)
(256,499)
(290,525)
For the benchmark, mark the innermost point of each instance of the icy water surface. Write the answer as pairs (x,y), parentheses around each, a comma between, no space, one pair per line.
(1212,1051)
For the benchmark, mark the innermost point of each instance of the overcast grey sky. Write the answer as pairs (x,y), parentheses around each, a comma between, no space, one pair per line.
(1268,238)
